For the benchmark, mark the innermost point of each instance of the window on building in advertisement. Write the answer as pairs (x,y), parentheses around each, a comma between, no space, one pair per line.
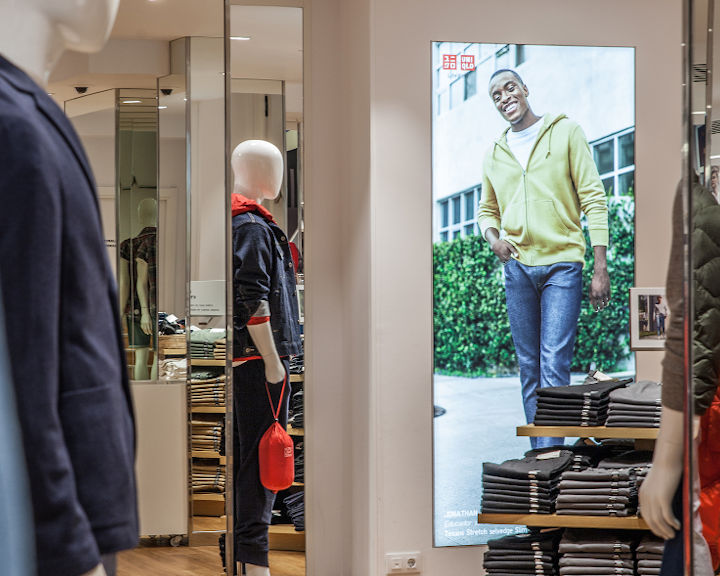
(615,159)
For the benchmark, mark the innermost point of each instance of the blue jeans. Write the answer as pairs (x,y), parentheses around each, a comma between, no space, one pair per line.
(543,304)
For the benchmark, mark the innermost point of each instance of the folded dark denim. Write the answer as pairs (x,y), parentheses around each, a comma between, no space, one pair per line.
(568,560)
(604,485)
(650,545)
(601,557)
(599,474)
(594,499)
(630,459)
(592,506)
(622,513)
(627,492)
(530,467)
(594,390)
(545,540)
(489,507)
(517,565)
(573,402)
(519,494)
(597,541)
(633,424)
(515,499)
(595,571)
(521,483)
(641,392)
(542,556)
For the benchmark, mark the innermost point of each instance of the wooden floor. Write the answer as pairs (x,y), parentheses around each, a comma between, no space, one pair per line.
(196,561)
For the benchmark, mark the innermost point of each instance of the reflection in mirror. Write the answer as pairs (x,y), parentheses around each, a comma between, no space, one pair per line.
(137,218)
(266,145)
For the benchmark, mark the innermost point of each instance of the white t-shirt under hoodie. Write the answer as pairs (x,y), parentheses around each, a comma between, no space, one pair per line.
(521,142)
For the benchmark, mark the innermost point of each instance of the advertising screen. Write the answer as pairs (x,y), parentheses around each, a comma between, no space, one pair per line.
(533,163)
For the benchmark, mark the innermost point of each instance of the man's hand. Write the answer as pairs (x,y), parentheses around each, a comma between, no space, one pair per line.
(600,284)
(503,250)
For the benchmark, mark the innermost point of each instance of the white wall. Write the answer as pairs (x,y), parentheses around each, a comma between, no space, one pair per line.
(370,354)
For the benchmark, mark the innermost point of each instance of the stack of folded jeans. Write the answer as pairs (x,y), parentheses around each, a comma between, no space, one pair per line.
(297,364)
(207,389)
(649,555)
(526,485)
(207,435)
(300,462)
(584,455)
(533,554)
(220,349)
(296,509)
(610,489)
(296,415)
(600,552)
(208,478)
(637,406)
(577,405)
(202,342)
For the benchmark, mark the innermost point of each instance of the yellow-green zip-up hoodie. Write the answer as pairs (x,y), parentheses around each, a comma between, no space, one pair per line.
(538,208)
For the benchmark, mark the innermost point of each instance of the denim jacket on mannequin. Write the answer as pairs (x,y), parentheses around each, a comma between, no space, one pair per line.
(263,270)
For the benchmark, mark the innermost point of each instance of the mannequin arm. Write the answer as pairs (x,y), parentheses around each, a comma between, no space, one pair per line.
(658,489)
(262,337)
(123,284)
(142,292)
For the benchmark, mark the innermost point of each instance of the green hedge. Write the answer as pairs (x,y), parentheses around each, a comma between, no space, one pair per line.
(472,333)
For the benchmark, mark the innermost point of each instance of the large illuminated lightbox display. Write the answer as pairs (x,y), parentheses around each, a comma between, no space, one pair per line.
(544,202)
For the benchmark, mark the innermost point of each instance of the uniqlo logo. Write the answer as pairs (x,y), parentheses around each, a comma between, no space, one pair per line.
(467,62)
(449,62)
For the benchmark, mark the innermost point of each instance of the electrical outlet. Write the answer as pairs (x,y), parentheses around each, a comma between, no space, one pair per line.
(403,563)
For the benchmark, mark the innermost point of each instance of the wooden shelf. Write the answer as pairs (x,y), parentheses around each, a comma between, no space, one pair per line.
(173,352)
(208,497)
(567,521)
(285,537)
(208,504)
(298,484)
(209,454)
(588,432)
(208,409)
(297,377)
(295,431)
(206,362)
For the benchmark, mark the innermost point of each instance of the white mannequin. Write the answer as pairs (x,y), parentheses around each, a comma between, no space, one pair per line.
(34,34)
(258,170)
(147,217)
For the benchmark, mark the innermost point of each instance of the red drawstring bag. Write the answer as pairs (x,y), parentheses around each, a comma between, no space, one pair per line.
(276,451)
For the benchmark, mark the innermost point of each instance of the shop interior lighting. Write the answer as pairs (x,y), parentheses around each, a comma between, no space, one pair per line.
(132,101)
(239,37)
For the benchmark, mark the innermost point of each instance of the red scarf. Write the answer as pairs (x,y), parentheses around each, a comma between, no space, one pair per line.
(241,205)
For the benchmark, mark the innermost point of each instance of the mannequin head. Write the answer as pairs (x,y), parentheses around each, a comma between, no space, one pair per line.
(34,33)
(147,212)
(258,170)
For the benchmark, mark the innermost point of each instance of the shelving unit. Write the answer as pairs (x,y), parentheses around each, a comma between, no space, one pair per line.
(644,439)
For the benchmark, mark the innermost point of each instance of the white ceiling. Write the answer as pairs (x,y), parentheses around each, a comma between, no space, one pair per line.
(168,19)
(273,52)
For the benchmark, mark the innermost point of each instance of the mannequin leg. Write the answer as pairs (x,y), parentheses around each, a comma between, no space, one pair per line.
(141,369)
(154,369)
(252,570)
(253,502)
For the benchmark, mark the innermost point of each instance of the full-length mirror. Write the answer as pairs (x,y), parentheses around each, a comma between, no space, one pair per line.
(265,159)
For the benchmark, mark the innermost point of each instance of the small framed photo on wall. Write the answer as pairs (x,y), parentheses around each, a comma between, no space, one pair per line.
(649,318)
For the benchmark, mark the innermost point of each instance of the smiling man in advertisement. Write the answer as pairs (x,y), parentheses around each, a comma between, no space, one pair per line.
(538,178)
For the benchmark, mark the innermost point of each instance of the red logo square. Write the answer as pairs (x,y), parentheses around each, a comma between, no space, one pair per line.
(449,62)
(467,62)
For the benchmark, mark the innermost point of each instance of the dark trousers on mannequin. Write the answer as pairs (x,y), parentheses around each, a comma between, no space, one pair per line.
(253,416)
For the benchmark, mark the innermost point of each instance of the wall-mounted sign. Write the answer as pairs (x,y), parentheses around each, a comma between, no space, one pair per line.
(207,298)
